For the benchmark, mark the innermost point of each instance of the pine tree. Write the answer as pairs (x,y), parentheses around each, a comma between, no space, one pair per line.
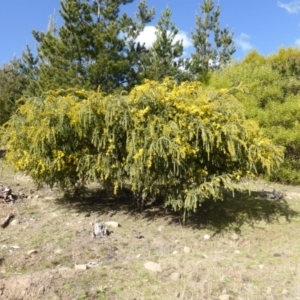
(94,47)
(29,68)
(214,46)
(13,82)
(164,58)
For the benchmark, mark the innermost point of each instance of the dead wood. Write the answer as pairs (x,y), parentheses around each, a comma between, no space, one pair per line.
(7,220)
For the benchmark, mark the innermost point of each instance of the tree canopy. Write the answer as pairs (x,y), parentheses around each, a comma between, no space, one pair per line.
(95,46)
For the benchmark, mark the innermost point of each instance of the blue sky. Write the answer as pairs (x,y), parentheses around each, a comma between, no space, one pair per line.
(264,25)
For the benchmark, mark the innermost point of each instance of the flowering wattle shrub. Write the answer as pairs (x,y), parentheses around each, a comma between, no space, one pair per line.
(184,142)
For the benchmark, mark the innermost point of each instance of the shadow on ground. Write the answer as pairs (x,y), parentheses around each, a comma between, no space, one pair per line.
(229,214)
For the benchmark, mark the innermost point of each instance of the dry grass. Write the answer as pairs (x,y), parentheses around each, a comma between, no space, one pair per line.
(253,251)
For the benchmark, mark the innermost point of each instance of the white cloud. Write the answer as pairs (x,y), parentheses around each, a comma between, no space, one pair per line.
(297,42)
(292,7)
(148,37)
(243,42)
(186,41)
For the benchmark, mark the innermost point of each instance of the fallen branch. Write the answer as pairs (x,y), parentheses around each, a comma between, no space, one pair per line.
(7,220)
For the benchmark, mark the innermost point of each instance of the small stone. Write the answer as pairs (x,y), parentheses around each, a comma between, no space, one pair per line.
(14,222)
(175,276)
(33,251)
(261,266)
(36,196)
(49,198)
(206,237)
(160,228)
(269,290)
(112,224)
(58,251)
(15,247)
(91,264)
(237,252)
(174,252)
(186,249)
(176,241)
(285,292)
(81,267)
(224,297)
(152,266)
(234,237)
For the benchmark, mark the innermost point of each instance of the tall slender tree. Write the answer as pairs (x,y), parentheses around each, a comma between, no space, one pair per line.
(164,58)
(214,46)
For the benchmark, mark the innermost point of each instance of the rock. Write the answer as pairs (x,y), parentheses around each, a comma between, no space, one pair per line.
(174,252)
(237,252)
(261,266)
(91,264)
(33,251)
(269,290)
(175,276)
(36,196)
(186,249)
(176,241)
(15,247)
(234,237)
(14,222)
(112,224)
(152,266)
(285,292)
(206,237)
(58,251)
(81,267)
(160,228)
(49,198)
(100,230)
(224,297)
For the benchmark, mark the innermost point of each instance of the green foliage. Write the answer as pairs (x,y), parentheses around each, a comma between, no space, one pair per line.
(282,125)
(94,47)
(183,142)
(263,85)
(214,46)
(13,82)
(253,57)
(272,99)
(164,58)
(287,63)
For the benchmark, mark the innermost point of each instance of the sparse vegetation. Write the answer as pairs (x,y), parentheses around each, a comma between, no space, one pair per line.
(252,251)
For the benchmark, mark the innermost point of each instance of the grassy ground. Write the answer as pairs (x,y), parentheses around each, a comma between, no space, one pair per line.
(252,253)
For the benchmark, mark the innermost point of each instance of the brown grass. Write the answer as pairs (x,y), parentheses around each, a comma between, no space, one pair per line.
(252,253)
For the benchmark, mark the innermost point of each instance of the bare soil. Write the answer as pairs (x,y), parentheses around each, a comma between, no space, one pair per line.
(245,247)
